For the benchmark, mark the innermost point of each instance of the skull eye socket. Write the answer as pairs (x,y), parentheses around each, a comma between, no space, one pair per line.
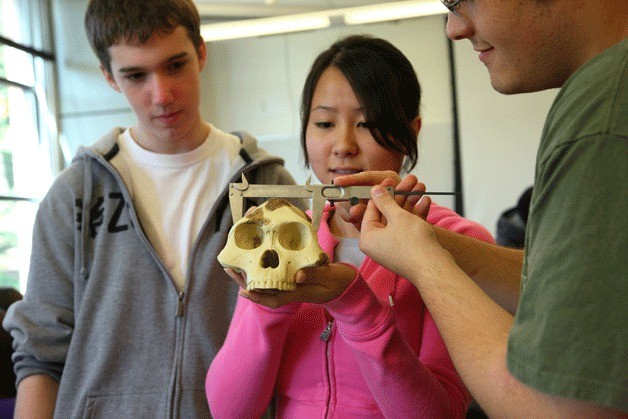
(248,236)
(294,236)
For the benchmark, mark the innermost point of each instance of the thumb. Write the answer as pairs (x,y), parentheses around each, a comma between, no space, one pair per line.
(376,209)
(305,275)
(384,202)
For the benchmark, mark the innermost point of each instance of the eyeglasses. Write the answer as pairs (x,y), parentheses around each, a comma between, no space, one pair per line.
(452,5)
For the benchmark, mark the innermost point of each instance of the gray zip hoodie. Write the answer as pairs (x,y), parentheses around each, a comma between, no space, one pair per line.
(102,315)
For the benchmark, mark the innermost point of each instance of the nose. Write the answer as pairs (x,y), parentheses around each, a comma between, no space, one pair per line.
(345,143)
(458,27)
(162,90)
(270,259)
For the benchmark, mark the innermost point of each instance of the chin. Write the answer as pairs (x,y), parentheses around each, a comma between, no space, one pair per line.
(522,84)
(507,88)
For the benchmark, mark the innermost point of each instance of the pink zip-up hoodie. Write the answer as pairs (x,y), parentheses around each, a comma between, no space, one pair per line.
(355,356)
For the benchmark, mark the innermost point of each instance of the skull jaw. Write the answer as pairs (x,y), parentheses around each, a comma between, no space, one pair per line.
(272,282)
(270,286)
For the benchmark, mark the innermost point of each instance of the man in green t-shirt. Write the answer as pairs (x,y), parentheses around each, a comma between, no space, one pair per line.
(565,352)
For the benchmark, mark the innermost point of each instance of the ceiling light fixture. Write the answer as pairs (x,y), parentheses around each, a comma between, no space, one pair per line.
(265,26)
(319,20)
(393,11)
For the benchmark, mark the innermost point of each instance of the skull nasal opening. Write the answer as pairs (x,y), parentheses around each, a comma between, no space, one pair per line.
(270,259)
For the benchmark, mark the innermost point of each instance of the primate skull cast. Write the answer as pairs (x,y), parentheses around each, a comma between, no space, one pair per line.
(271,244)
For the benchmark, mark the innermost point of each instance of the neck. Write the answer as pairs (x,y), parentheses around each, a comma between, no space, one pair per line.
(602,25)
(164,143)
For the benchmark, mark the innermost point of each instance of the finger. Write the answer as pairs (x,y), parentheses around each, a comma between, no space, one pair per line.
(422,208)
(357,213)
(372,217)
(354,213)
(250,210)
(412,200)
(391,181)
(407,184)
(279,299)
(314,278)
(385,203)
(368,178)
(318,276)
(325,283)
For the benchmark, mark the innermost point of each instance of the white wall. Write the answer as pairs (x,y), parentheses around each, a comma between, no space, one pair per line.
(499,136)
(255,85)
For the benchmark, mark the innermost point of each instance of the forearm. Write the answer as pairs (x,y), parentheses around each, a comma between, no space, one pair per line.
(402,385)
(36,397)
(496,269)
(473,326)
(399,381)
(475,330)
(249,359)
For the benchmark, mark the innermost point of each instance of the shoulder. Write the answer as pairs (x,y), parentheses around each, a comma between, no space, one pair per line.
(251,149)
(87,168)
(592,103)
(105,146)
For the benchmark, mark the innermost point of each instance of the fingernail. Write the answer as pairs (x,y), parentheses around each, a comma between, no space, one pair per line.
(378,191)
(299,277)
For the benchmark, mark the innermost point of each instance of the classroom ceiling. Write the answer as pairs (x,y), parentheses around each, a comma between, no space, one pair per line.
(224,10)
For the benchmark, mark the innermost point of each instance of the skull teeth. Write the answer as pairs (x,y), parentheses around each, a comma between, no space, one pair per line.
(270,285)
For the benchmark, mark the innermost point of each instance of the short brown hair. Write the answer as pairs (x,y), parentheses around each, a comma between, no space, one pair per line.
(108,22)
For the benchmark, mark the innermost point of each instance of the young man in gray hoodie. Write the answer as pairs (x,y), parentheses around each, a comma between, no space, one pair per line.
(126,304)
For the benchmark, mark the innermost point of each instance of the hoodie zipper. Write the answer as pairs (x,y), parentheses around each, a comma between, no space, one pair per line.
(325,337)
(175,396)
(181,305)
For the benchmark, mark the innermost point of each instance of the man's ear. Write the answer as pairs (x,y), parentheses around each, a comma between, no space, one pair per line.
(202,55)
(416,125)
(109,78)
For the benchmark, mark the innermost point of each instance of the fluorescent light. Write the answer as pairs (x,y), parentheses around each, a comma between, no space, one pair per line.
(393,11)
(267,26)
(319,20)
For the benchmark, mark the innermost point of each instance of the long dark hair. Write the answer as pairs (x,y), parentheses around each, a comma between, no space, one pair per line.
(385,84)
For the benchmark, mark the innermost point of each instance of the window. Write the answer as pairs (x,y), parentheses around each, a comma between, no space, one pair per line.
(28,128)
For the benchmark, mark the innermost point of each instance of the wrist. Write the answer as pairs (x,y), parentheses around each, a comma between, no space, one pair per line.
(435,262)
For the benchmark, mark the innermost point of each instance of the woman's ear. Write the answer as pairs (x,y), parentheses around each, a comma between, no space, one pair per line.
(416,125)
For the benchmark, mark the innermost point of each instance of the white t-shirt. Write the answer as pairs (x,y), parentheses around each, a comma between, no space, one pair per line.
(174,193)
(348,251)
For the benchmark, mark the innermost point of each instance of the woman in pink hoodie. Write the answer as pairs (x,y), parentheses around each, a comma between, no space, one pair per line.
(354,339)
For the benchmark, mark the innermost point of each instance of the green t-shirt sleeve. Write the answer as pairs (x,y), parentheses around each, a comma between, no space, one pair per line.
(570,336)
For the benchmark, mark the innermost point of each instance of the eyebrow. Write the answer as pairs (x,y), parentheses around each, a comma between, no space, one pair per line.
(323,108)
(133,69)
(333,109)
